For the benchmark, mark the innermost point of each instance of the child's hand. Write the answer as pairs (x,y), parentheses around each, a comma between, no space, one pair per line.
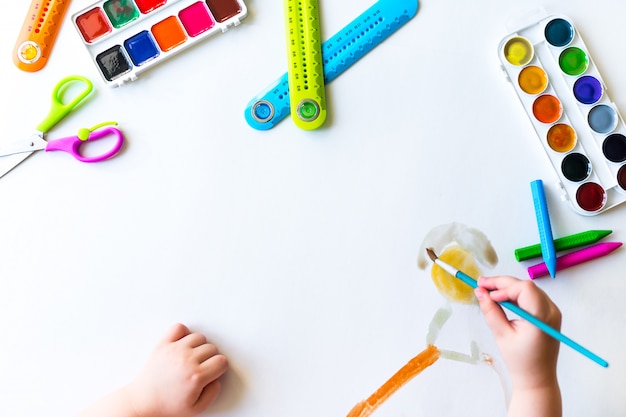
(530,354)
(180,377)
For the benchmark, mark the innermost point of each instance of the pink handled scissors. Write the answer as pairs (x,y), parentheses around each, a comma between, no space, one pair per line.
(14,153)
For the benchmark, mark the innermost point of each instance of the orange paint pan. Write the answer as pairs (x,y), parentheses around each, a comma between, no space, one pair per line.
(39,31)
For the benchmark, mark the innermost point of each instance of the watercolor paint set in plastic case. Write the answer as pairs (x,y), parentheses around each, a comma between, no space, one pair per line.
(126,37)
(565,98)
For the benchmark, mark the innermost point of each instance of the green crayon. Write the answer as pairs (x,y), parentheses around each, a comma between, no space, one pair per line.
(563,243)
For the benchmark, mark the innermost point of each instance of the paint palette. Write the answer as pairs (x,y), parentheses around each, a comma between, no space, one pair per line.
(565,98)
(126,37)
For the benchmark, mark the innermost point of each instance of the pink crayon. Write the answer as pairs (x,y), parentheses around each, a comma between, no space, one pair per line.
(574,258)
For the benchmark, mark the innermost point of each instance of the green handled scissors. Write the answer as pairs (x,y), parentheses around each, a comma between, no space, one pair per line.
(80,88)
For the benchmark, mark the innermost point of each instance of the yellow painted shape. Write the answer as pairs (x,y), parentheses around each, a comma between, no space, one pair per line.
(450,286)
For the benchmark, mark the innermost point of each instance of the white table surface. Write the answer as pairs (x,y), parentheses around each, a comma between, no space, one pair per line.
(294,251)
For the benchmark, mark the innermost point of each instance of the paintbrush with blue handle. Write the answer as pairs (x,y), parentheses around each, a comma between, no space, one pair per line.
(551,331)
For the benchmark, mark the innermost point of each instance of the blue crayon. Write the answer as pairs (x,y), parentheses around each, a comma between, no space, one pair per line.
(543,222)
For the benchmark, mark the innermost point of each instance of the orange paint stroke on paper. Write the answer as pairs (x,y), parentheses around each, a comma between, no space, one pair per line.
(412,368)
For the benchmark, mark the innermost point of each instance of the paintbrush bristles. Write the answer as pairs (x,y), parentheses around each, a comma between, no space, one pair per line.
(448,268)
(431,254)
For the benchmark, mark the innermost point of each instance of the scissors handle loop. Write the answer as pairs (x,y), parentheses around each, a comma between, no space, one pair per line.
(73,144)
(59,108)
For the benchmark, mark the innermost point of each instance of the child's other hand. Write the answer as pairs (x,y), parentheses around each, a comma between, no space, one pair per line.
(530,354)
(180,378)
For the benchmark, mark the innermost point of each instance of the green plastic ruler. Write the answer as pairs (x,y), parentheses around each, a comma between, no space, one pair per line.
(305,63)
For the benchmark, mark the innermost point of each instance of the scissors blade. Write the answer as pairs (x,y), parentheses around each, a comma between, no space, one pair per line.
(9,162)
(33,143)
(12,154)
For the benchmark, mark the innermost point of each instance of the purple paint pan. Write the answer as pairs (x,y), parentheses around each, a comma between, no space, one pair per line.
(588,89)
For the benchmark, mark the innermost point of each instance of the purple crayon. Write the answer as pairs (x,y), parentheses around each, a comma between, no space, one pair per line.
(575,258)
